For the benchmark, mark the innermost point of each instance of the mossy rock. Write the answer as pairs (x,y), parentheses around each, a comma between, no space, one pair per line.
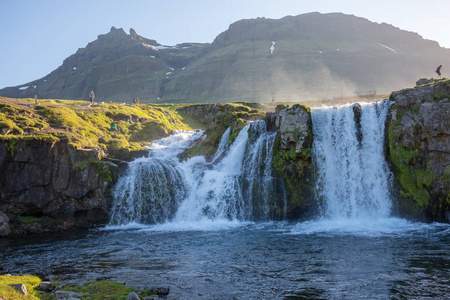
(296,170)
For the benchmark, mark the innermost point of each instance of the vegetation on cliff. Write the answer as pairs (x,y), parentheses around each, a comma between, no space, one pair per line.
(59,153)
(292,159)
(216,119)
(419,151)
(90,126)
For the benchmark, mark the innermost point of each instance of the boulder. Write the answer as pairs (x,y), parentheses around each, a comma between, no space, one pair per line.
(67,295)
(46,286)
(293,127)
(20,287)
(160,290)
(132,296)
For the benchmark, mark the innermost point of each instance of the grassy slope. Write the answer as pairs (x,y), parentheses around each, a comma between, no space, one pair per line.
(86,126)
(31,283)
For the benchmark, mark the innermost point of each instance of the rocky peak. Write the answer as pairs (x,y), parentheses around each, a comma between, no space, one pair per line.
(141,39)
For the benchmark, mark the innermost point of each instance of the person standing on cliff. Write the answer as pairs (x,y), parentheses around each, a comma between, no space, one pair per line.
(91,96)
(438,71)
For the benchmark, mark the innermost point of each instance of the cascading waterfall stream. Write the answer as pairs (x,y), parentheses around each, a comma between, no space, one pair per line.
(153,186)
(236,185)
(353,176)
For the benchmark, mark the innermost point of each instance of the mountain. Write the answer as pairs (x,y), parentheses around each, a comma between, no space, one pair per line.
(310,56)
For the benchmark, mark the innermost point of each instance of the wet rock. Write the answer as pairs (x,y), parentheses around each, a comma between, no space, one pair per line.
(20,287)
(6,130)
(68,295)
(5,228)
(68,224)
(160,290)
(46,286)
(293,127)
(132,296)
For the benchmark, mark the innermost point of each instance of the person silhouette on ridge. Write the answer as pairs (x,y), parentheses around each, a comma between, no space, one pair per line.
(438,71)
(91,96)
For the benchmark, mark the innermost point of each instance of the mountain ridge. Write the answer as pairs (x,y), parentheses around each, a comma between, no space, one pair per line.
(309,56)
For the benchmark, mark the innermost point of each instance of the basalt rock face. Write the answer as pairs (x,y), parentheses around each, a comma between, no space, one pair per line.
(419,148)
(44,180)
(292,158)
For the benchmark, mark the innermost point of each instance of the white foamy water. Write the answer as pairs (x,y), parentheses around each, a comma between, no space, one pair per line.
(353,176)
(354,180)
(365,227)
(197,194)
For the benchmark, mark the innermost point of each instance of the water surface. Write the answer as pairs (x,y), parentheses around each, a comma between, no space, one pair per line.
(392,259)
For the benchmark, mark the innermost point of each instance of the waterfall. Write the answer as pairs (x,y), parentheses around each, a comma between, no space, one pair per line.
(236,185)
(259,185)
(153,186)
(353,178)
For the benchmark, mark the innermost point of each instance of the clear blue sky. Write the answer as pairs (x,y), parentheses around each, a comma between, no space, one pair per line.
(36,36)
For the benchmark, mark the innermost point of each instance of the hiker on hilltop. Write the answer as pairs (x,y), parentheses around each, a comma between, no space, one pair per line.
(438,71)
(91,96)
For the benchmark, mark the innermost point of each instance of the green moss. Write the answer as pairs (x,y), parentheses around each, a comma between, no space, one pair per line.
(29,219)
(31,283)
(106,290)
(101,168)
(85,126)
(440,95)
(413,180)
(11,146)
(297,173)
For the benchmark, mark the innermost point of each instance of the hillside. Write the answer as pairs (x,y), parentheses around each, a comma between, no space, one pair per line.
(310,56)
(86,126)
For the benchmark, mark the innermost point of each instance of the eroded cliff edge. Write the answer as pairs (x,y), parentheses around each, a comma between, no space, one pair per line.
(47,186)
(418,143)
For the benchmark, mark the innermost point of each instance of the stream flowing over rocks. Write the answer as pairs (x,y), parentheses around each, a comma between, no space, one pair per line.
(53,186)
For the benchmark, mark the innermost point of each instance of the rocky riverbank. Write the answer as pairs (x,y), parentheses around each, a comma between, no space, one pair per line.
(33,288)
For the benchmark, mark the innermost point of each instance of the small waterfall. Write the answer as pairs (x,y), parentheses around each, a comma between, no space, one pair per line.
(353,177)
(153,186)
(259,185)
(236,185)
(223,145)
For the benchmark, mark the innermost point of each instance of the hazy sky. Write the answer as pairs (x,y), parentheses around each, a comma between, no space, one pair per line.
(37,35)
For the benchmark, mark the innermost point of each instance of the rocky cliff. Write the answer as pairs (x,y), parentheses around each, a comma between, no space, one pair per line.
(47,184)
(292,160)
(419,148)
(310,56)
(55,169)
